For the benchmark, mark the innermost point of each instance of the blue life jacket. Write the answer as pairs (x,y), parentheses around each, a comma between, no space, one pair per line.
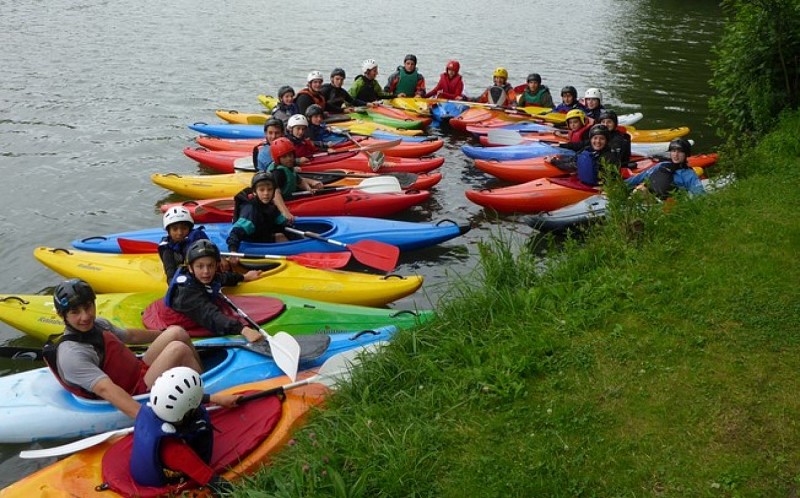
(183,277)
(589,168)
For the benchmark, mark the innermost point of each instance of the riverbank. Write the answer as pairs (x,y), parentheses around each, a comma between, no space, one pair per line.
(659,357)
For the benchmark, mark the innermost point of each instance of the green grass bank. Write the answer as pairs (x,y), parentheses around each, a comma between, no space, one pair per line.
(658,357)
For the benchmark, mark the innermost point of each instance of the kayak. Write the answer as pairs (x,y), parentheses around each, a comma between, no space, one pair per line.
(245,437)
(267,101)
(236,117)
(657,135)
(145,273)
(403,149)
(257,131)
(525,170)
(223,161)
(347,229)
(390,115)
(544,194)
(34,406)
(417,106)
(341,201)
(445,111)
(528,127)
(230,184)
(537,149)
(34,314)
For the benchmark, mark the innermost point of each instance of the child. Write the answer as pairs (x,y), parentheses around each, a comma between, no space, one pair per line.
(619,140)
(296,133)
(284,172)
(318,132)
(286,107)
(179,224)
(569,100)
(535,94)
(365,88)
(406,81)
(593,102)
(337,100)
(501,93)
(590,159)
(173,432)
(273,129)
(311,93)
(664,178)
(451,85)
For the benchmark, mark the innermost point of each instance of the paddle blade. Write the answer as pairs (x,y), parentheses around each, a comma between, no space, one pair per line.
(323,260)
(81,444)
(133,246)
(285,352)
(380,185)
(505,137)
(376,254)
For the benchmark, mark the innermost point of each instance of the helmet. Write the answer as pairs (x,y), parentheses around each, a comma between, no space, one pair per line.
(593,93)
(314,110)
(681,145)
(175,393)
(273,122)
(410,57)
(262,176)
(338,72)
(368,64)
(284,90)
(570,90)
(454,65)
(598,130)
(314,75)
(535,77)
(608,114)
(297,120)
(278,149)
(500,72)
(576,113)
(71,293)
(201,248)
(177,214)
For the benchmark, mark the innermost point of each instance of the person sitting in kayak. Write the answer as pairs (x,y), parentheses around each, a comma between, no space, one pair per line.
(296,132)
(318,132)
(451,85)
(286,107)
(569,100)
(179,224)
(337,100)
(593,103)
(666,177)
(258,211)
(173,437)
(365,87)
(619,140)
(535,93)
(283,170)
(590,160)
(406,81)
(193,295)
(501,93)
(311,93)
(273,130)
(91,359)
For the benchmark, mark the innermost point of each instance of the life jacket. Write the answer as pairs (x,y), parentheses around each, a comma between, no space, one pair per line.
(303,147)
(369,90)
(589,167)
(532,99)
(184,277)
(317,97)
(579,135)
(404,82)
(291,178)
(564,108)
(448,88)
(263,146)
(148,433)
(594,114)
(498,95)
(116,360)
(178,249)
(661,180)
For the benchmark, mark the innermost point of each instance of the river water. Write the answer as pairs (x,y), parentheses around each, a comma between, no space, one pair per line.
(96,96)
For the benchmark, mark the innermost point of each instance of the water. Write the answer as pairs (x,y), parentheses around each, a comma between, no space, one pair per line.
(96,96)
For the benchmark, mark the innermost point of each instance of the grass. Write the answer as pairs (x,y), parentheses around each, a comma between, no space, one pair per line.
(658,357)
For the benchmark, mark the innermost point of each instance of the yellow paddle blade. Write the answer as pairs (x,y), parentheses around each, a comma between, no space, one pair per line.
(268,101)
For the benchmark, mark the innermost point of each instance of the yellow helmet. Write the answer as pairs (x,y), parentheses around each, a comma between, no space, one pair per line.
(500,72)
(576,113)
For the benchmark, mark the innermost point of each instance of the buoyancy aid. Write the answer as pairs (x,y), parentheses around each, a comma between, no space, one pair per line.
(303,147)
(291,180)
(589,167)
(404,82)
(532,99)
(369,90)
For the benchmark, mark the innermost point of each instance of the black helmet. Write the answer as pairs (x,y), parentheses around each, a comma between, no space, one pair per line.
(314,110)
(273,122)
(72,293)
(201,248)
(410,57)
(338,72)
(262,176)
(599,130)
(570,90)
(535,77)
(608,114)
(681,145)
(284,90)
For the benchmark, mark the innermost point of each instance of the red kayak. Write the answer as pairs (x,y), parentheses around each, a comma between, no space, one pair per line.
(525,170)
(479,116)
(545,194)
(223,160)
(404,149)
(345,202)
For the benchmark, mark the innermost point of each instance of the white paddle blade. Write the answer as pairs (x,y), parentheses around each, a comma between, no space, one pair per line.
(339,368)
(380,185)
(244,164)
(505,137)
(75,446)
(285,352)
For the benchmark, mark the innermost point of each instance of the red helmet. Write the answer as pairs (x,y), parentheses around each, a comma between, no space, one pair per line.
(280,147)
(454,65)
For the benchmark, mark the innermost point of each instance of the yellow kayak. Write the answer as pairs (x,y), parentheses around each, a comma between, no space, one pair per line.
(204,186)
(659,135)
(268,101)
(416,105)
(145,273)
(354,126)
(235,117)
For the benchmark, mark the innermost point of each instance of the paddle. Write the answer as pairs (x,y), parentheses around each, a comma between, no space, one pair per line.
(369,252)
(376,160)
(246,163)
(285,349)
(405,179)
(373,185)
(512,137)
(335,370)
(321,260)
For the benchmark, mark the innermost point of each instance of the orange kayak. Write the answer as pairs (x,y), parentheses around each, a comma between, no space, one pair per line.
(404,149)
(545,194)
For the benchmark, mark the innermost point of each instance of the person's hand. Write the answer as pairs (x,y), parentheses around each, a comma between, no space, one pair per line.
(225,265)
(315,184)
(252,335)
(289,218)
(226,400)
(231,262)
(252,275)
(401,95)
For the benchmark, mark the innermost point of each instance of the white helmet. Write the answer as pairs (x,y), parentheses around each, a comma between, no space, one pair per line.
(593,93)
(177,214)
(175,393)
(314,75)
(368,65)
(297,120)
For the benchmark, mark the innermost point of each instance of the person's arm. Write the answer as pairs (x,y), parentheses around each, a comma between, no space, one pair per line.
(420,89)
(140,336)
(356,88)
(117,396)
(282,207)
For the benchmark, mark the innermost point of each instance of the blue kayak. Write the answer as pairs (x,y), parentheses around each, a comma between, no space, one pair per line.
(347,229)
(444,111)
(512,152)
(34,406)
(233,131)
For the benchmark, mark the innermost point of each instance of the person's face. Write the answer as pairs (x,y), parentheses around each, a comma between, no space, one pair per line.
(409,65)
(609,123)
(533,86)
(265,191)
(598,142)
(372,73)
(592,103)
(677,156)
(273,133)
(315,85)
(573,123)
(567,98)
(499,80)
(298,131)
(337,81)
(204,269)
(316,119)
(81,317)
(451,72)
(287,98)
(178,231)
(287,160)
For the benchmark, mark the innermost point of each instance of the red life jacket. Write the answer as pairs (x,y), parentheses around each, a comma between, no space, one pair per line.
(448,88)
(317,97)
